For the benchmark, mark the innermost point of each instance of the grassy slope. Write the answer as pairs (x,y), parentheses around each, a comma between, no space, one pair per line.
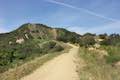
(27,68)
(15,55)
(113,54)
(96,68)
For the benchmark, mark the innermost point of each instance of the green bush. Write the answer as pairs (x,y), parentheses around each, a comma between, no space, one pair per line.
(17,54)
(113,54)
(112,59)
(87,41)
(58,48)
(67,36)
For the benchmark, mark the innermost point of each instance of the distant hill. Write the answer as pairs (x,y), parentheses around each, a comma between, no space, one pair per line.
(38,31)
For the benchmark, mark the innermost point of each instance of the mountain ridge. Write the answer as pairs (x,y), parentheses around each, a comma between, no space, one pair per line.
(38,31)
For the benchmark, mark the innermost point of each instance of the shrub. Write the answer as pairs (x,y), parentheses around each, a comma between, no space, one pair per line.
(87,41)
(18,54)
(114,54)
(57,48)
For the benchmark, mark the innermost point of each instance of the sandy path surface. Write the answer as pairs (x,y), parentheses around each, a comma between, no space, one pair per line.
(62,67)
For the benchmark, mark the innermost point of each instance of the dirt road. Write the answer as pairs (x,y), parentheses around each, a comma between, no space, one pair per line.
(62,67)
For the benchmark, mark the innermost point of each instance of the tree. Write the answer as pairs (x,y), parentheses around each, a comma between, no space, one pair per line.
(87,41)
(103,36)
(89,34)
(106,42)
(115,39)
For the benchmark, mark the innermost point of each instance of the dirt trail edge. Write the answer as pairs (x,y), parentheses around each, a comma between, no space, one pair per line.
(62,67)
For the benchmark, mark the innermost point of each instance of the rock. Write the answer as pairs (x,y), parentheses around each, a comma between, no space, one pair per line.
(97,46)
(20,40)
(91,48)
(26,36)
(117,64)
(10,42)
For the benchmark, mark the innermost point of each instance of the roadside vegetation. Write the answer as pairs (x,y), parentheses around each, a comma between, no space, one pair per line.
(96,67)
(28,67)
(17,54)
(113,54)
(103,62)
(35,61)
(111,44)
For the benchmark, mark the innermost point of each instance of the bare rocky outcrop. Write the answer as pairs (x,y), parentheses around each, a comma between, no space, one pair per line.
(117,64)
(10,42)
(26,36)
(20,40)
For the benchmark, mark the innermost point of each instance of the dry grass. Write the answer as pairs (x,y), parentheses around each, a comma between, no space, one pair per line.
(96,67)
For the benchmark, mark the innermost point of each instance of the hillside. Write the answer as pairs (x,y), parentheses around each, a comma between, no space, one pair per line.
(30,41)
(38,31)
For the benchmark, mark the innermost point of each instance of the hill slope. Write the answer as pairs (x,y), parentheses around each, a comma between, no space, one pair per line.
(38,31)
(30,41)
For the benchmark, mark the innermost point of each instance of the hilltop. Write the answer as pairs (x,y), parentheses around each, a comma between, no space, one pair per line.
(30,31)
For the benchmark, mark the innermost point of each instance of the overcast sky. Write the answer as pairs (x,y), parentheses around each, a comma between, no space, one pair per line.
(96,16)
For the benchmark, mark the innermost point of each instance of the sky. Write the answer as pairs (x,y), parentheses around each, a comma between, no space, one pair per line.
(81,16)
